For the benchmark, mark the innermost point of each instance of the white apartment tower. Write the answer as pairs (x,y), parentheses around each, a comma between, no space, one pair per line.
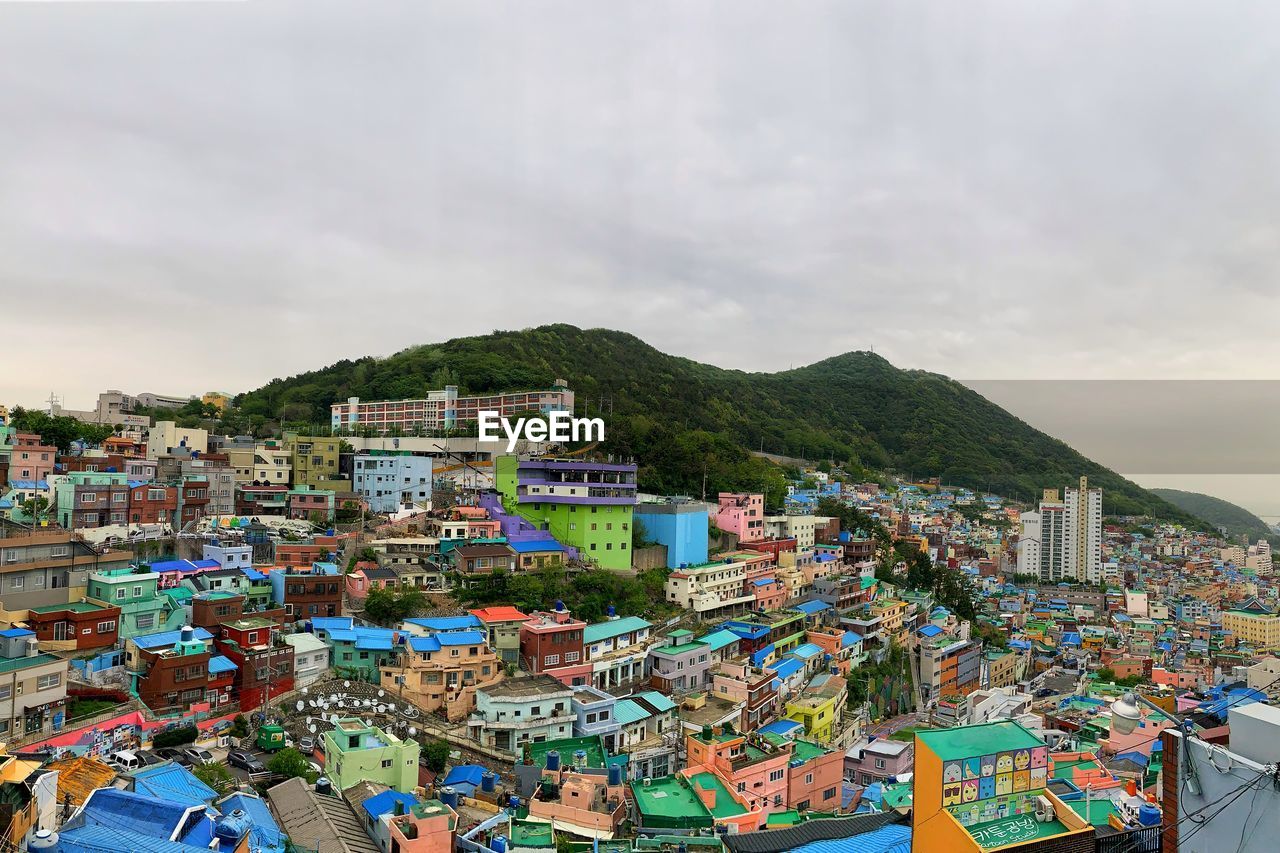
(1029,544)
(1069,537)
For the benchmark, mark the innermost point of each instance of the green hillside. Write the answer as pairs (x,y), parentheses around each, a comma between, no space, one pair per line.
(1237,520)
(680,418)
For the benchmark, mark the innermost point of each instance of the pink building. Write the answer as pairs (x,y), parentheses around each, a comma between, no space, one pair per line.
(742,515)
(814,777)
(1182,679)
(583,804)
(426,828)
(31,459)
(752,768)
(770,595)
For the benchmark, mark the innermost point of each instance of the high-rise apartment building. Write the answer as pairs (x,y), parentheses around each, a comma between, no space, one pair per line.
(444,409)
(1063,541)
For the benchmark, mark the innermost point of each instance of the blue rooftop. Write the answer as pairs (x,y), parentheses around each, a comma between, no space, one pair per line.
(134,812)
(614,628)
(219,664)
(173,783)
(446,623)
(11,633)
(464,774)
(806,650)
(750,632)
(535,546)
(929,631)
(331,623)
(812,607)
(786,728)
(167,638)
(264,835)
(380,804)
(717,640)
(785,667)
(763,581)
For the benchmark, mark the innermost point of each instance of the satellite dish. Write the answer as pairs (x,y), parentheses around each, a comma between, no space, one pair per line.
(311,729)
(304,691)
(346,684)
(382,709)
(333,718)
(301,704)
(412,730)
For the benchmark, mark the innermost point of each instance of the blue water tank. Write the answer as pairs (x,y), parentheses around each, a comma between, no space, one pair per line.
(559,605)
(498,844)
(553,760)
(449,797)
(43,841)
(489,782)
(329,531)
(232,827)
(513,802)
(611,611)
(615,774)
(1148,814)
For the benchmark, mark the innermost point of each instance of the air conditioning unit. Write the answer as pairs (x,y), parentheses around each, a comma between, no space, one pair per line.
(1044,810)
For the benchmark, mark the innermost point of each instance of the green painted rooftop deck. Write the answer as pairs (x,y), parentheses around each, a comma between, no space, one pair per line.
(670,802)
(1018,829)
(726,806)
(591,744)
(74,607)
(807,751)
(970,741)
(12,664)
(786,818)
(531,834)
(1100,808)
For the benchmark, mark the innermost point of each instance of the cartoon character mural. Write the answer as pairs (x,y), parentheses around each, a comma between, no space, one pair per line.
(952,772)
(951,794)
(1004,783)
(969,792)
(1040,756)
(1020,779)
(971,768)
(986,787)
(1022,759)
(989,765)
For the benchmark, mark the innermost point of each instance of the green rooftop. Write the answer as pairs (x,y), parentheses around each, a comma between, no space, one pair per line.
(969,741)
(591,744)
(726,805)
(786,818)
(670,802)
(1100,808)
(74,607)
(1019,829)
(14,664)
(807,751)
(531,834)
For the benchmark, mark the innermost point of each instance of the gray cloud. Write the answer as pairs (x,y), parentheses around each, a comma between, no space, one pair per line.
(206,195)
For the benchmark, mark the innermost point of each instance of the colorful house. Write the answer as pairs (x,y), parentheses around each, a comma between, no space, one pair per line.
(985,786)
(356,752)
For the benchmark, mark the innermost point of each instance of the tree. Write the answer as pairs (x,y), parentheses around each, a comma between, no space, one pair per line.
(175,737)
(387,605)
(639,535)
(216,776)
(1106,674)
(435,754)
(35,507)
(239,726)
(289,763)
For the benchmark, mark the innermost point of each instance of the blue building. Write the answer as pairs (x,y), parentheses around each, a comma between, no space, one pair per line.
(391,480)
(678,523)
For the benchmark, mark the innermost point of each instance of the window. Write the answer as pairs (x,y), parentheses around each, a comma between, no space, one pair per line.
(59,551)
(88,498)
(879,763)
(808,778)
(15,583)
(570,657)
(106,627)
(829,793)
(48,682)
(386,762)
(146,620)
(6,691)
(776,775)
(551,660)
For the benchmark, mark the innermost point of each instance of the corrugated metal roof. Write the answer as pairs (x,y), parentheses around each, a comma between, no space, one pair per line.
(614,628)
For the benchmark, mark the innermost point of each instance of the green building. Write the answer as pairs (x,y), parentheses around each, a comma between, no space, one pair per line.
(356,752)
(142,609)
(584,505)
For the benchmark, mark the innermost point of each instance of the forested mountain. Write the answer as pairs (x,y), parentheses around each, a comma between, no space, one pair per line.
(681,419)
(1237,520)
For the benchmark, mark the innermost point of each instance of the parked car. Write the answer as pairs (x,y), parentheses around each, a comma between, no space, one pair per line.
(126,761)
(148,758)
(245,761)
(172,753)
(307,745)
(198,755)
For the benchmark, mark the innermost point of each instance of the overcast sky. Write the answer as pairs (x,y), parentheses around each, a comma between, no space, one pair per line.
(200,196)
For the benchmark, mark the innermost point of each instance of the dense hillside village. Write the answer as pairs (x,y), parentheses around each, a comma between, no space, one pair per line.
(384,634)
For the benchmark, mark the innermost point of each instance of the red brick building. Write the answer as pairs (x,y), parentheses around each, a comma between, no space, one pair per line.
(172,668)
(83,624)
(264,661)
(551,643)
(153,503)
(295,554)
(309,591)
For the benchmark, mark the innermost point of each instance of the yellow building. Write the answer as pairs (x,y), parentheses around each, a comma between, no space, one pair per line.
(1261,630)
(1002,668)
(218,399)
(979,787)
(314,460)
(820,707)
